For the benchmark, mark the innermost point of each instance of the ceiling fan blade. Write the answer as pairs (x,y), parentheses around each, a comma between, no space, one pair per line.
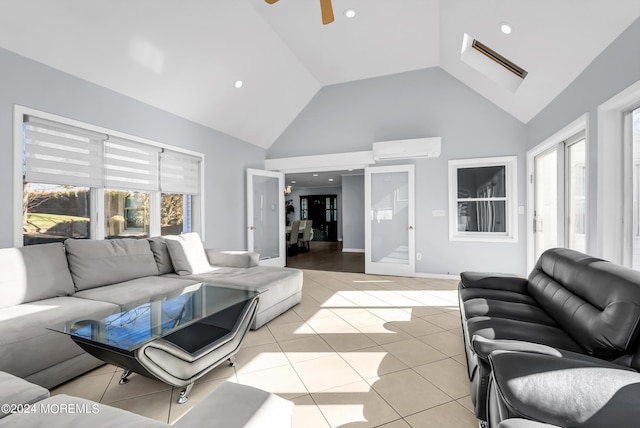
(271,1)
(327,11)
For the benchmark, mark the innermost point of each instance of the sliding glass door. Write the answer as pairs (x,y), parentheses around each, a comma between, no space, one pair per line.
(559,186)
(632,123)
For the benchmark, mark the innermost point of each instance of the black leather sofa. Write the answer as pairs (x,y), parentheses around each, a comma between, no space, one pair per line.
(547,338)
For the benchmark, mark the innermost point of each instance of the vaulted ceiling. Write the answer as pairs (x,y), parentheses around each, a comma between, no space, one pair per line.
(185,56)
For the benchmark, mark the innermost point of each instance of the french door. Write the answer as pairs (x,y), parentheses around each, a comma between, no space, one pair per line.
(390,220)
(266,216)
(559,188)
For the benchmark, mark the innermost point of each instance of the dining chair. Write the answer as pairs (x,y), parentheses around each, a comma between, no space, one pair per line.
(292,241)
(307,236)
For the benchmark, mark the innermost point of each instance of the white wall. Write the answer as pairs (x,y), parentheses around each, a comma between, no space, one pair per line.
(353,212)
(31,84)
(424,103)
(615,69)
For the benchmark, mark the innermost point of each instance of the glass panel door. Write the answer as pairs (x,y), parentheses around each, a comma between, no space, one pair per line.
(265,216)
(576,197)
(389,225)
(635,141)
(546,212)
(560,196)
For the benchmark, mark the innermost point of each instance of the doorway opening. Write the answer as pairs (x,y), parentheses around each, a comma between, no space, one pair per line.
(322,210)
(334,203)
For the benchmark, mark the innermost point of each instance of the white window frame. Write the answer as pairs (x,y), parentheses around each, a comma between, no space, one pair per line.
(97,193)
(510,164)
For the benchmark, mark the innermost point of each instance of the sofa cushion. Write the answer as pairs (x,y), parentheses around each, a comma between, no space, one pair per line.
(137,290)
(241,259)
(16,391)
(73,412)
(97,263)
(27,347)
(511,310)
(506,329)
(161,254)
(33,273)
(564,391)
(283,285)
(187,254)
(502,295)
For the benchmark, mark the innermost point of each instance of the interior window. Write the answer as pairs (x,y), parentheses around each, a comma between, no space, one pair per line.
(481,199)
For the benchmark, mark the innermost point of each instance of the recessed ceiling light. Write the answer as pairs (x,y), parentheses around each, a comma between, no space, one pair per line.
(238,84)
(350,13)
(505,28)
(315,175)
(331,179)
(350,169)
(293,181)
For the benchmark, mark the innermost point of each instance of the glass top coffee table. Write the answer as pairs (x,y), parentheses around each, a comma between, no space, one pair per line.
(175,337)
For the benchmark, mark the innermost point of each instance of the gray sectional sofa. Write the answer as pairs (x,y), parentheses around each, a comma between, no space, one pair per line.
(229,406)
(45,284)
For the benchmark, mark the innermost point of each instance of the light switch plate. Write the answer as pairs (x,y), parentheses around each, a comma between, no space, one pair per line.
(438,213)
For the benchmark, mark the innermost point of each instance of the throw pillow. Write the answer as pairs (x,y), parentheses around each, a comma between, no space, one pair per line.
(187,254)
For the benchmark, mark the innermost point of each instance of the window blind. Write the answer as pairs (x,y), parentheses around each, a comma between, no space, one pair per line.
(56,153)
(179,173)
(130,165)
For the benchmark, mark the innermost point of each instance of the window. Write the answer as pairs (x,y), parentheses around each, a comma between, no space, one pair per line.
(482,199)
(53,213)
(126,214)
(175,214)
(71,172)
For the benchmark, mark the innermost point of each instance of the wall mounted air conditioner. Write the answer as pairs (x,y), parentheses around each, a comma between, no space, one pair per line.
(406,149)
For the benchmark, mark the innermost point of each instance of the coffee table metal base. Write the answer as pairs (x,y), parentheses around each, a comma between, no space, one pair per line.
(185,356)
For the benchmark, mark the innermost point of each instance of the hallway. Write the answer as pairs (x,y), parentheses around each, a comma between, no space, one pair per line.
(328,256)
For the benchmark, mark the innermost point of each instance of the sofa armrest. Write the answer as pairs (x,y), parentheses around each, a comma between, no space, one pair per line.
(232,405)
(565,391)
(493,281)
(484,347)
(524,423)
(239,259)
(67,411)
(15,391)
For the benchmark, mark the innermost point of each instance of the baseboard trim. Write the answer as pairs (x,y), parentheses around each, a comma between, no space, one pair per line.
(353,250)
(437,276)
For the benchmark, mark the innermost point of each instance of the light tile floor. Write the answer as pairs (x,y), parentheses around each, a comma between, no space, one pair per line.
(358,351)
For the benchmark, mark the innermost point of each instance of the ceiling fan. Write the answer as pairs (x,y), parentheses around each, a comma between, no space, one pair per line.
(326,8)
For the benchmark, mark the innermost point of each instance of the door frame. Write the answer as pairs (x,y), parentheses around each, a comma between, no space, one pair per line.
(282,249)
(389,268)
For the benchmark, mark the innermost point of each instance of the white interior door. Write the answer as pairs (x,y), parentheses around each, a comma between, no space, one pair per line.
(390,220)
(265,216)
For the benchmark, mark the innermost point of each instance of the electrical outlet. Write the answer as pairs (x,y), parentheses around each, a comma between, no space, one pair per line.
(418,256)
